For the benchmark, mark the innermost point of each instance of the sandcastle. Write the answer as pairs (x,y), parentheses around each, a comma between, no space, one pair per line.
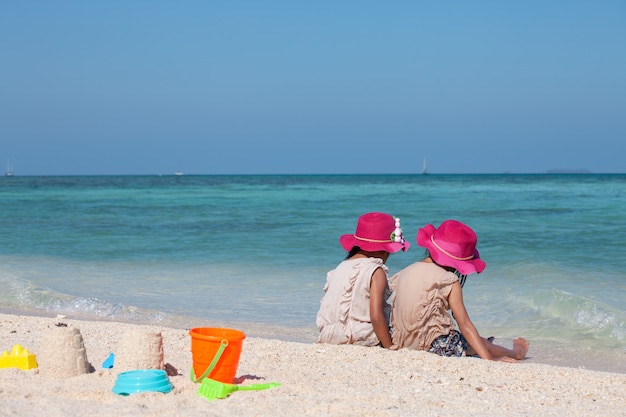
(139,350)
(63,353)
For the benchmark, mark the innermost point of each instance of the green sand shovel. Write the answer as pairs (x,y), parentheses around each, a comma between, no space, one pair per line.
(212,389)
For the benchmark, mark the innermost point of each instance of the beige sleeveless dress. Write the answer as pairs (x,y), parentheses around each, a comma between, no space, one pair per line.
(420,311)
(344,314)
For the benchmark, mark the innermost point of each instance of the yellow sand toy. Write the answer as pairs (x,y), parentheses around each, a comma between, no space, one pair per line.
(18,358)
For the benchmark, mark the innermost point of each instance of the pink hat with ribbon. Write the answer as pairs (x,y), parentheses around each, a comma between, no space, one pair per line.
(453,244)
(376,232)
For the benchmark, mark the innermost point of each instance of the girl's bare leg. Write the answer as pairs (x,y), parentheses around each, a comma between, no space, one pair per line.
(520,348)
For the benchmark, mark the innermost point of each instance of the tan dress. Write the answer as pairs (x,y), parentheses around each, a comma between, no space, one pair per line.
(420,305)
(344,314)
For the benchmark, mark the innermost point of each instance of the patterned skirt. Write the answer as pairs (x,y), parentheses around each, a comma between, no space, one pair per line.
(453,344)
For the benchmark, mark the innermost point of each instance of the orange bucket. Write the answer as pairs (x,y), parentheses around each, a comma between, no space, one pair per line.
(215,353)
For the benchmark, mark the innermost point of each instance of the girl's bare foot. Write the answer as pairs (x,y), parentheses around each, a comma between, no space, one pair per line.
(520,347)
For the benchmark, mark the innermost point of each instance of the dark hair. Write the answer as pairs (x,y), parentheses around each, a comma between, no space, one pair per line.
(353,251)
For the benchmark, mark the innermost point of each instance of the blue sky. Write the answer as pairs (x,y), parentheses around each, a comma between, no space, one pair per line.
(265,87)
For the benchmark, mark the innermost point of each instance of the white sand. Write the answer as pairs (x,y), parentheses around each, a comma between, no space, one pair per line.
(316,380)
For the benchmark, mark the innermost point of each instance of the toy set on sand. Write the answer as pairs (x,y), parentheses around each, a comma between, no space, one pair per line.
(139,360)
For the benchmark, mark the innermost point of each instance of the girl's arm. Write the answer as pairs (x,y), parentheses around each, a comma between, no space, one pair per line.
(377,301)
(467,328)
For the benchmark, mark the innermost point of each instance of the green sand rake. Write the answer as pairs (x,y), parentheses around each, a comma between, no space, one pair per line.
(212,389)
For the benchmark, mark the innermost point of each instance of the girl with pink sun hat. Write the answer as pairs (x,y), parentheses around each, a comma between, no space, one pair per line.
(425,292)
(354,308)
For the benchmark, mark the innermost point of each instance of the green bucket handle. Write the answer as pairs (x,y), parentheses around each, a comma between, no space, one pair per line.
(216,358)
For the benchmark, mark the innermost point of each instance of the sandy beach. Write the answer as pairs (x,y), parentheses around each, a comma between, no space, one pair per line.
(315,380)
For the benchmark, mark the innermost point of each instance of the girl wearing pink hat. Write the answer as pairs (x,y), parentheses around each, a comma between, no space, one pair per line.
(354,308)
(425,292)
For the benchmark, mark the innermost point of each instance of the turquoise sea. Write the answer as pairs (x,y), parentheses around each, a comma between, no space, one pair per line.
(252,252)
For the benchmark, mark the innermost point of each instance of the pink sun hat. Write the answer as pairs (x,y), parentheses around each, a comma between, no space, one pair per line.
(453,244)
(376,232)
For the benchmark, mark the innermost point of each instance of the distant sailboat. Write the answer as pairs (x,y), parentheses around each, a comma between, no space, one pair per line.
(424,170)
(9,171)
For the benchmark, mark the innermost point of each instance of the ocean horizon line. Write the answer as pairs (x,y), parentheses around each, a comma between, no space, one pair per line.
(418,174)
